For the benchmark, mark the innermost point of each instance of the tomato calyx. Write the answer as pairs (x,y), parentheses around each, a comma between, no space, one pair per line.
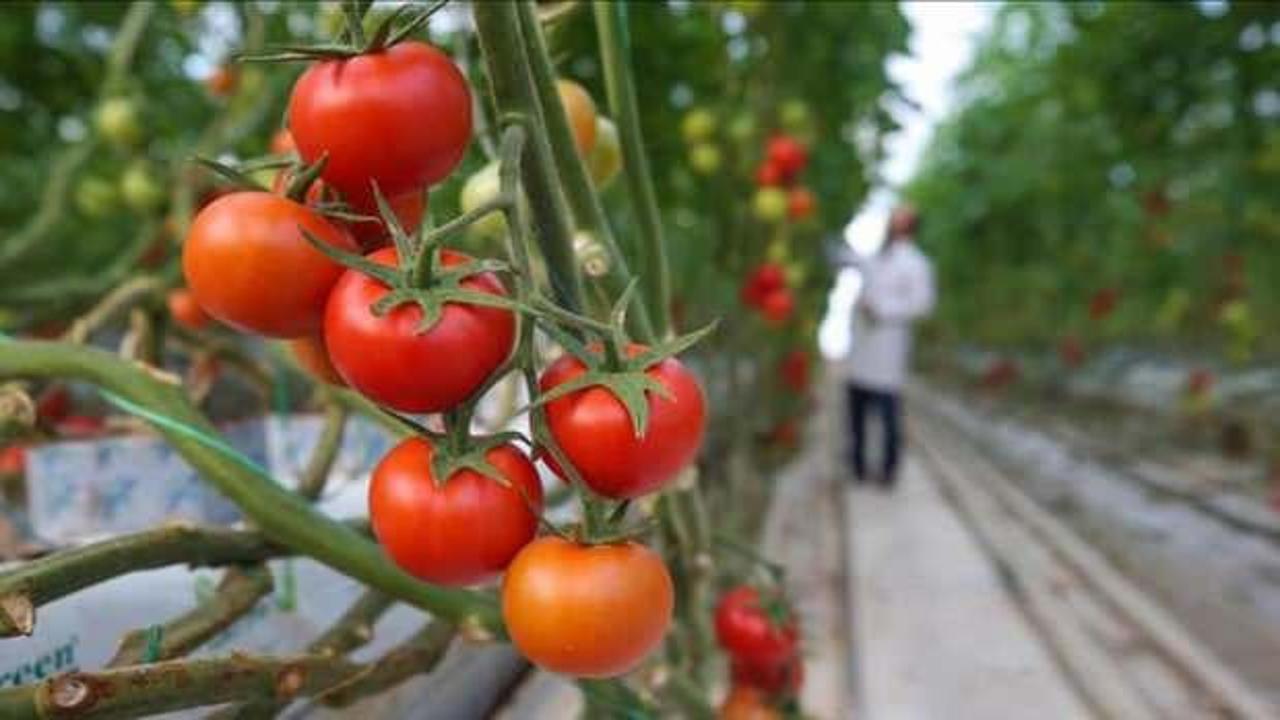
(387,33)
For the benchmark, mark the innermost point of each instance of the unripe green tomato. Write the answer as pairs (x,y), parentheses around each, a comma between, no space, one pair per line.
(742,128)
(185,8)
(705,158)
(770,204)
(1236,315)
(605,160)
(699,124)
(794,115)
(117,121)
(483,186)
(140,190)
(95,197)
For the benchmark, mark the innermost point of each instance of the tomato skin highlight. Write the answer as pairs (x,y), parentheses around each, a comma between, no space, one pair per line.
(595,432)
(387,359)
(248,265)
(461,532)
(587,611)
(745,630)
(400,117)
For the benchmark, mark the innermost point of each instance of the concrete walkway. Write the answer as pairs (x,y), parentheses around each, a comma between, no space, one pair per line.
(936,634)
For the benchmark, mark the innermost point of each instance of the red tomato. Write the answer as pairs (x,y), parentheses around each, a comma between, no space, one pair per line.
(745,630)
(248,265)
(777,307)
(787,154)
(185,311)
(784,677)
(587,610)
(54,403)
(1199,382)
(13,460)
(745,702)
(1103,303)
(82,425)
(1071,352)
(795,370)
(371,235)
(312,356)
(387,358)
(400,117)
(1000,373)
(768,175)
(409,210)
(801,204)
(222,82)
(762,281)
(462,531)
(595,432)
(785,434)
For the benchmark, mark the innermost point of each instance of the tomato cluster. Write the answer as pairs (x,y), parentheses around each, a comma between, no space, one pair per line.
(427,334)
(766,290)
(759,633)
(778,193)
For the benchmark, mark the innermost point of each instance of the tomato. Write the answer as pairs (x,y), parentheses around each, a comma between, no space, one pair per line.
(605,161)
(766,278)
(581,110)
(785,434)
(795,370)
(140,189)
(1071,352)
(54,403)
(408,208)
(801,204)
(117,121)
(788,154)
(587,610)
(704,158)
(312,356)
(1199,382)
(81,426)
(249,266)
(463,530)
(784,677)
(400,117)
(595,431)
(745,702)
(698,125)
(96,197)
(770,204)
(794,116)
(483,186)
(222,82)
(768,175)
(1103,302)
(282,142)
(387,358)
(777,307)
(13,460)
(185,311)
(747,632)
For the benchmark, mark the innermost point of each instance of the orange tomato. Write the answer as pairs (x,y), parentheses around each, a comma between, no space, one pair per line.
(185,311)
(581,110)
(587,610)
(312,356)
(222,82)
(747,703)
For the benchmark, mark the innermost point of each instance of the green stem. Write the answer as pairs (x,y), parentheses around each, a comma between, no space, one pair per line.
(284,516)
(615,54)
(579,191)
(498,29)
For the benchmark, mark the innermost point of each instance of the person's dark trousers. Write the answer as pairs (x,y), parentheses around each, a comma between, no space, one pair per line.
(887,405)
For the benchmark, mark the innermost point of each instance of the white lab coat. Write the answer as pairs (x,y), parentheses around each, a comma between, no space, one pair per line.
(898,287)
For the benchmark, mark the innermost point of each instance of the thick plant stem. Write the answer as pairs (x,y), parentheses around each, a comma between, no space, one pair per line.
(144,690)
(498,29)
(588,213)
(48,578)
(615,53)
(315,475)
(238,592)
(283,516)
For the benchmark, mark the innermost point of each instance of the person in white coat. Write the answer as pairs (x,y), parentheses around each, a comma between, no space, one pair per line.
(897,290)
